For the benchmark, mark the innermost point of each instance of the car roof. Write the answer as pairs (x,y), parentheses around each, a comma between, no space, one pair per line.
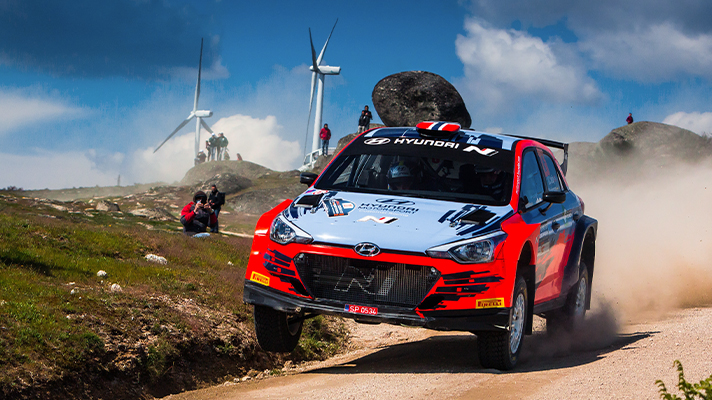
(468,136)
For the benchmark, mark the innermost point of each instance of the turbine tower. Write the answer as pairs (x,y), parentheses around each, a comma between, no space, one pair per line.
(319,72)
(197,114)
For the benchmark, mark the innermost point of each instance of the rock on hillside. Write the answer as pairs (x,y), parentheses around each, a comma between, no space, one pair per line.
(637,148)
(202,172)
(653,139)
(227,183)
(406,98)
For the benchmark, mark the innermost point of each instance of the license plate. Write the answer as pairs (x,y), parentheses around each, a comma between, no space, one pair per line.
(361,309)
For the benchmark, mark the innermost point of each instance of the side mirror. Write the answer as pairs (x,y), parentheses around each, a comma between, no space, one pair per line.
(554,197)
(307,178)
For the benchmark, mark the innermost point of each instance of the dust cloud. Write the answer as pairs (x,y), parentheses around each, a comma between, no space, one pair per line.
(654,244)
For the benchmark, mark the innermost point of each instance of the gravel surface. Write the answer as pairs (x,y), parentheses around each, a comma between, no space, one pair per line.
(410,363)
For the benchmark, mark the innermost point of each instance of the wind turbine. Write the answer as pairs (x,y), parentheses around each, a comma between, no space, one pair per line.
(197,114)
(319,72)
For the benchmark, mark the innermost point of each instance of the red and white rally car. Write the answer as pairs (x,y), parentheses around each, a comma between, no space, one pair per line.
(433,226)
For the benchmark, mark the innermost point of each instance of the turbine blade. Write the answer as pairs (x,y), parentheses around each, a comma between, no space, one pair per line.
(315,64)
(311,102)
(182,124)
(323,50)
(205,125)
(311,92)
(197,86)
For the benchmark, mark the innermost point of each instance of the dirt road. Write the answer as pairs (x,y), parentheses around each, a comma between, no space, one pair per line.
(411,363)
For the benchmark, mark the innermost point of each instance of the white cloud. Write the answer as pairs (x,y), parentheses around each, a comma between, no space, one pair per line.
(46,169)
(21,108)
(655,53)
(257,140)
(506,66)
(696,122)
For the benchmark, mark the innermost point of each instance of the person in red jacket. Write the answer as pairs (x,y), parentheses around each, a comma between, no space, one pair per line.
(325,135)
(197,216)
(629,120)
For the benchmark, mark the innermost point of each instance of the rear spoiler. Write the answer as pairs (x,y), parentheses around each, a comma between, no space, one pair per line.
(552,144)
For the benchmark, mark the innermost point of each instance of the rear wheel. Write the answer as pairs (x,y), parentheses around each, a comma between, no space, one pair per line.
(501,349)
(276,330)
(572,314)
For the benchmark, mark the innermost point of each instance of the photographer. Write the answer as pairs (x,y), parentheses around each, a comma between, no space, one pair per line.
(197,216)
(216,201)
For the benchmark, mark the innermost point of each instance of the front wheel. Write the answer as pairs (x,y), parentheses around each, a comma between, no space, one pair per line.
(572,314)
(276,330)
(501,349)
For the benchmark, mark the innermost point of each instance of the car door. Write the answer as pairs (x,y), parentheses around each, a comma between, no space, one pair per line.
(562,226)
(537,211)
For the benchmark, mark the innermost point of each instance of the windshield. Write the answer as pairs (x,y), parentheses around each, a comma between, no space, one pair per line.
(412,167)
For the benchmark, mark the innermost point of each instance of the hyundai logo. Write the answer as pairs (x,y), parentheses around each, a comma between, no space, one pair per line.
(367,249)
(376,141)
(396,202)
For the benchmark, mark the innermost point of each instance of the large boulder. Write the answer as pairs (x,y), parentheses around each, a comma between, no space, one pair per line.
(406,98)
(227,183)
(205,171)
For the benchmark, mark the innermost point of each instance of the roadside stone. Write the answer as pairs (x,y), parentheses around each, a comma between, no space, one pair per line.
(157,259)
(102,274)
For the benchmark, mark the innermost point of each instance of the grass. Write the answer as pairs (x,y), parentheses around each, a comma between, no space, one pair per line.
(59,319)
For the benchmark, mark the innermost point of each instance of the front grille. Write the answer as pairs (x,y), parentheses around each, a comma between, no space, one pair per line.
(365,282)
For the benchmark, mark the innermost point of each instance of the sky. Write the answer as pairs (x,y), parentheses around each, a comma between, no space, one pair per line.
(89,89)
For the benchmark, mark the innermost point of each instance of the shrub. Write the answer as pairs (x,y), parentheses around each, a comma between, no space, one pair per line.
(702,390)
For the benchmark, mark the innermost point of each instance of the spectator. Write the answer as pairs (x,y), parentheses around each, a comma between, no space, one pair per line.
(629,120)
(207,150)
(325,135)
(197,216)
(222,146)
(239,157)
(201,157)
(364,120)
(213,144)
(216,201)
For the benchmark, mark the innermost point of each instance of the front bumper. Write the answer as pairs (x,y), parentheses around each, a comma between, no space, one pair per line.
(457,320)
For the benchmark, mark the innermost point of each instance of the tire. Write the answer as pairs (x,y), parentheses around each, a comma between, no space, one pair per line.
(277,331)
(501,349)
(572,314)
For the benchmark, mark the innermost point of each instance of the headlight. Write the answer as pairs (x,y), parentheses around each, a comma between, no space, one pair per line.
(284,232)
(470,251)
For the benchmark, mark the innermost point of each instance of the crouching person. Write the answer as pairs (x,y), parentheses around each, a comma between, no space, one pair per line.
(197,216)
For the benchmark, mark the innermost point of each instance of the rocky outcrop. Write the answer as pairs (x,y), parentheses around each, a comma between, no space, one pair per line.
(156,213)
(105,205)
(227,183)
(406,98)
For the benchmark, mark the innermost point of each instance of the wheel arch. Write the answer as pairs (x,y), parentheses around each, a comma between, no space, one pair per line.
(583,249)
(527,269)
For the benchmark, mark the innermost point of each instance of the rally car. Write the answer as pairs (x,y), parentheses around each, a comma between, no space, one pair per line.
(434,226)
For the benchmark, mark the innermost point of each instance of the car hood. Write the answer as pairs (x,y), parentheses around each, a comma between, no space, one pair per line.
(393,223)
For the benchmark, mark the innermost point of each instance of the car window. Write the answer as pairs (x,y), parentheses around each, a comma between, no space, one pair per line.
(439,172)
(551,176)
(532,190)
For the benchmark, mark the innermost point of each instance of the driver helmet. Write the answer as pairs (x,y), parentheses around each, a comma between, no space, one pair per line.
(488,175)
(399,176)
